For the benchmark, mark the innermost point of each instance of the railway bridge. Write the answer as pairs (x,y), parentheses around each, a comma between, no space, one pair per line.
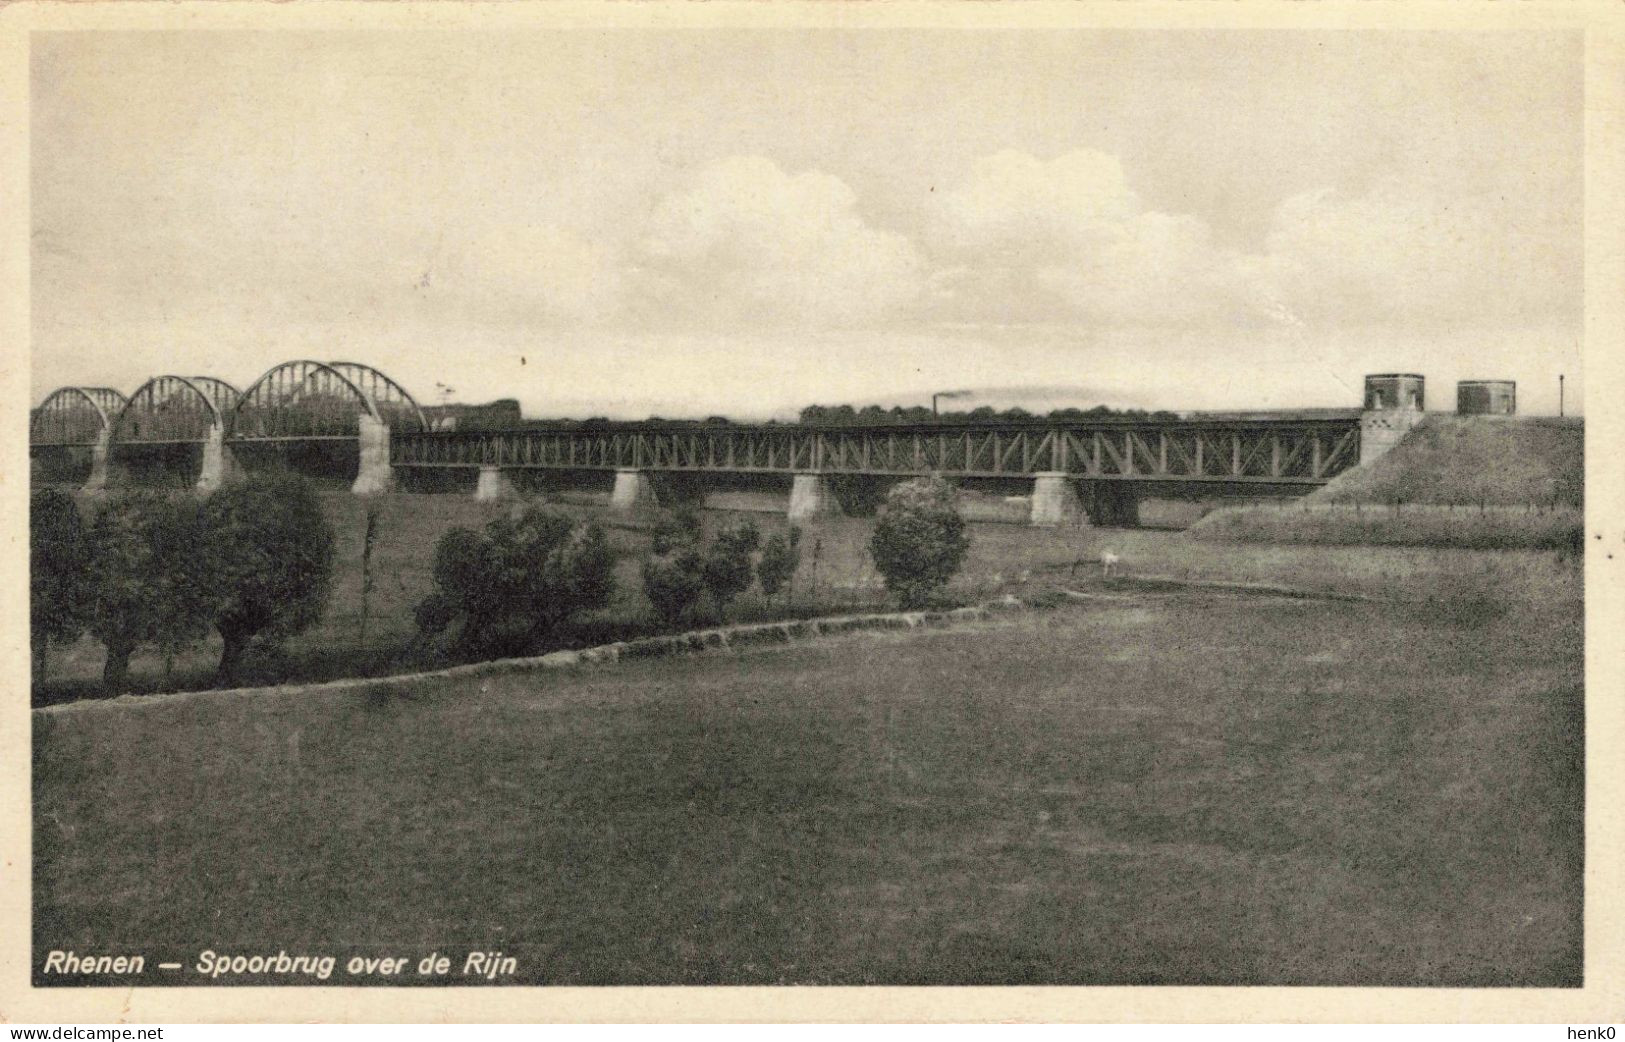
(353,417)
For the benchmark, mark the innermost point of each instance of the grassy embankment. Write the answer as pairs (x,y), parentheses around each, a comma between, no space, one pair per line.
(1482,482)
(1189,788)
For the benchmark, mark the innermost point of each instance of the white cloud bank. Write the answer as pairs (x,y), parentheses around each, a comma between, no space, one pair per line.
(1029,241)
(748,243)
(1020,240)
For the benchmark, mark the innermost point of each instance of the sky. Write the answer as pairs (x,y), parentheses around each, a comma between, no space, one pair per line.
(686,223)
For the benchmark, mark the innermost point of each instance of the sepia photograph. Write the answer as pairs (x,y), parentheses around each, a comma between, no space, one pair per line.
(806,505)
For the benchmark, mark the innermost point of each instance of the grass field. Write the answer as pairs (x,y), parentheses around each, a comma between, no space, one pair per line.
(1182,788)
(836,575)
(1559,530)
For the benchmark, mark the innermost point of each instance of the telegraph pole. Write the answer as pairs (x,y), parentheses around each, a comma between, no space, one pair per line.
(1560,394)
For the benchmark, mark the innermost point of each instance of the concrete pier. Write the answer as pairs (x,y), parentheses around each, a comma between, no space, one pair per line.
(373,475)
(634,493)
(1055,501)
(97,482)
(218,464)
(493,485)
(813,496)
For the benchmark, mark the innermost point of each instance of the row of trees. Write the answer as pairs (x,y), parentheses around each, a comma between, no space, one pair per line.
(873,415)
(253,561)
(500,590)
(682,567)
(868,415)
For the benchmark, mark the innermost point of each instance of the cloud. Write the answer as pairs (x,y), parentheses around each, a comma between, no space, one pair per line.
(1397,255)
(749,244)
(1027,240)
(1068,240)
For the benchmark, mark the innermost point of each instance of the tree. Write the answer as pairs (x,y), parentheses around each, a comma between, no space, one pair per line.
(781,556)
(525,574)
(674,581)
(681,528)
(729,566)
(274,550)
(152,566)
(919,541)
(58,573)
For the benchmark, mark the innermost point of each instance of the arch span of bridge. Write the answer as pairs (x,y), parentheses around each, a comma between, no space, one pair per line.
(198,424)
(72,429)
(175,425)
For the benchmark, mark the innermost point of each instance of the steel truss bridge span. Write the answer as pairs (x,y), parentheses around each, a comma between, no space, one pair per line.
(1288,452)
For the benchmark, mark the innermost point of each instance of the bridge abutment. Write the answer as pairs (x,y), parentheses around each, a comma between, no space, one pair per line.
(1382,429)
(634,493)
(813,496)
(1055,501)
(373,474)
(493,485)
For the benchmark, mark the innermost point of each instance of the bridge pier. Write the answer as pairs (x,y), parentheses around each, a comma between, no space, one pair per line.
(219,466)
(97,482)
(634,492)
(493,485)
(813,496)
(373,475)
(1055,501)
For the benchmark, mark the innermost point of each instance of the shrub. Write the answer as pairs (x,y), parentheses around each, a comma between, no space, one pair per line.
(681,528)
(729,565)
(58,572)
(781,556)
(153,574)
(525,574)
(673,582)
(919,541)
(273,551)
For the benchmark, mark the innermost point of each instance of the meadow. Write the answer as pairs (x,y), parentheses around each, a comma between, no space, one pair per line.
(1151,787)
(836,575)
(1529,527)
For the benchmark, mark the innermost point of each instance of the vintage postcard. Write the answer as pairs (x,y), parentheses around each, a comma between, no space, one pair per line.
(794,512)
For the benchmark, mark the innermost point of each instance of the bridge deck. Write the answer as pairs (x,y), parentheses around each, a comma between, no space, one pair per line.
(1294,451)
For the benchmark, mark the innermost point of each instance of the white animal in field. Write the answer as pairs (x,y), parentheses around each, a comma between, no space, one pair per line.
(1108,563)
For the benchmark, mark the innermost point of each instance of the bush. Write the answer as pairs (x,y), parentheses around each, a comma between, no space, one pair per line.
(153,571)
(525,574)
(673,582)
(919,541)
(58,573)
(729,566)
(781,557)
(681,528)
(273,553)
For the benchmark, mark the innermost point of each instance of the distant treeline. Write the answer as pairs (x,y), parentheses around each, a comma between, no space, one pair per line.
(847,415)
(875,414)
